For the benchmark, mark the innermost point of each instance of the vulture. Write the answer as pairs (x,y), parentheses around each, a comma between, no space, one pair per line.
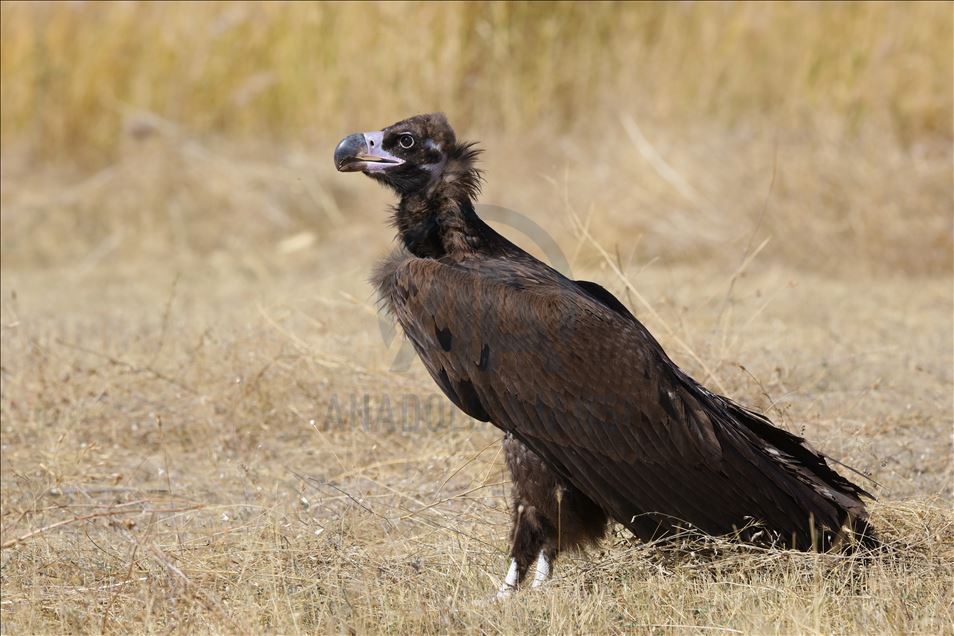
(599,423)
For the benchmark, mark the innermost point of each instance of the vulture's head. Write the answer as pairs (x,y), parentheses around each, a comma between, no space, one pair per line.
(418,155)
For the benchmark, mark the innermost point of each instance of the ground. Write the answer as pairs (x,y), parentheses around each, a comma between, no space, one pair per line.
(206,425)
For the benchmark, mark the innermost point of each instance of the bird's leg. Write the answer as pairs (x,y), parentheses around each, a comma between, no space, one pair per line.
(544,567)
(549,516)
(531,535)
(509,586)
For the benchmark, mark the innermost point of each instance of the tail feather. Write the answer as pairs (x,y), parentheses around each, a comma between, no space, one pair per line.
(864,536)
(813,468)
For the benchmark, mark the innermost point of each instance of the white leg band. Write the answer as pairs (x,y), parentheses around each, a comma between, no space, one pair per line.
(510,583)
(543,570)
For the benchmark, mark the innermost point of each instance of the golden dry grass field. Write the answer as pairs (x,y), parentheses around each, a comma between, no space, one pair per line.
(203,429)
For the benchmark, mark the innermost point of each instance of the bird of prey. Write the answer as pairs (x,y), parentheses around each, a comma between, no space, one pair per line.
(598,422)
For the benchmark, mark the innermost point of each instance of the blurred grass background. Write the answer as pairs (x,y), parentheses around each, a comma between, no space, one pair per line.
(162,124)
(288,70)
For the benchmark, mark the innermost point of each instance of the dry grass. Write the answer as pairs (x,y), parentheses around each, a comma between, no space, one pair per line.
(69,72)
(200,427)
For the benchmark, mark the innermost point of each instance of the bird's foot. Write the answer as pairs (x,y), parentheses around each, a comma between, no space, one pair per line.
(509,587)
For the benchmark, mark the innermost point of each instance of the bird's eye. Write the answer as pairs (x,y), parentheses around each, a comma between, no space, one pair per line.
(406,141)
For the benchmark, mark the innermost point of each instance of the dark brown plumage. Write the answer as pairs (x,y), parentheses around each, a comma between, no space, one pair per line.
(599,422)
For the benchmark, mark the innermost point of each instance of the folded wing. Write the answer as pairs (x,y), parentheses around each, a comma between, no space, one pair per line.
(569,371)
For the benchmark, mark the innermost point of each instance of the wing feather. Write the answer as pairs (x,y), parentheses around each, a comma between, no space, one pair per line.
(583,384)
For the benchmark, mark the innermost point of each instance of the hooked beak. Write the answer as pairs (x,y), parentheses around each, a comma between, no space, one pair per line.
(363,152)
